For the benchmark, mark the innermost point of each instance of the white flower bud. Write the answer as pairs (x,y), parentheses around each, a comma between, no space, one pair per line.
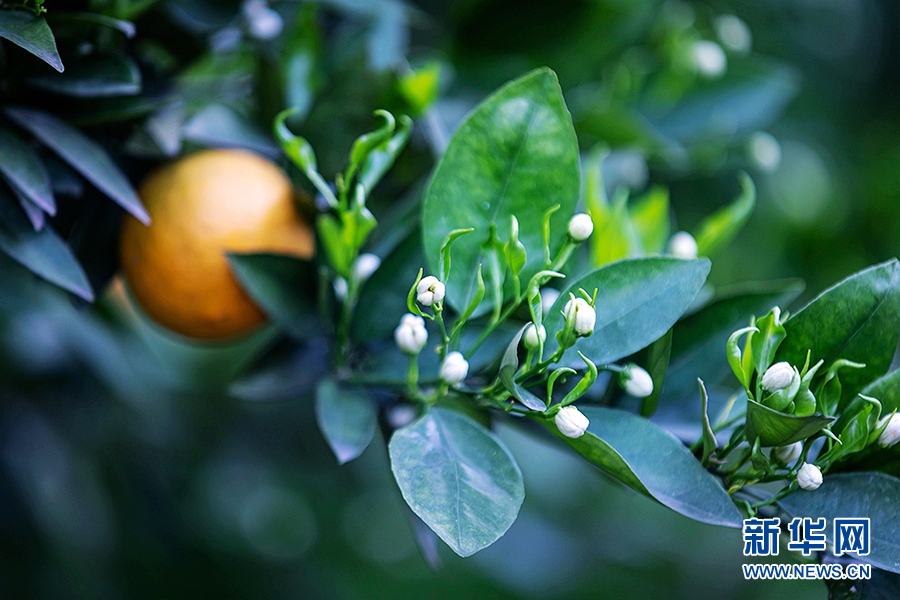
(580,227)
(454,368)
(778,377)
(765,151)
(788,454)
(534,337)
(430,291)
(548,299)
(401,415)
(709,58)
(636,381)
(582,314)
(809,477)
(571,422)
(411,334)
(263,22)
(365,265)
(891,433)
(683,245)
(340,288)
(734,33)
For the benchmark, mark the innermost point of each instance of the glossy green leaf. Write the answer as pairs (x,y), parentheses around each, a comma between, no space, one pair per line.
(458,478)
(722,226)
(23,169)
(43,252)
(515,154)
(651,461)
(282,286)
(861,494)
(346,417)
(775,428)
(32,33)
(105,76)
(858,319)
(84,155)
(638,300)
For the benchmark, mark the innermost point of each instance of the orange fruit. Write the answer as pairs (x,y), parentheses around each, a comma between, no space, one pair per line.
(201,207)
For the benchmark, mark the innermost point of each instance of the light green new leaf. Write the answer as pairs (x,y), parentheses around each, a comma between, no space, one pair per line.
(653,462)
(649,215)
(720,228)
(458,477)
(515,155)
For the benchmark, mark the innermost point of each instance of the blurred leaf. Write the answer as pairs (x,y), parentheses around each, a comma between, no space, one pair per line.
(515,154)
(861,494)
(43,252)
(883,585)
(887,390)
(858,319)
(302,47)
(113,75)
(25,29)
(25,171)
(381,158)
(614,237)
(84,154)
(652,462)
(34,213)
(649,215)
(346,417)
(638,300)
(420,87)
(94,18)
(457,477)
(775,428)
(217,125)
(658,355)
(720,228)
(282,285)
(287,372)
(389,36)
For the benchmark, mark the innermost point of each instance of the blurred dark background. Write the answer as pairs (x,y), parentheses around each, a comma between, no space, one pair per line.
(134,464)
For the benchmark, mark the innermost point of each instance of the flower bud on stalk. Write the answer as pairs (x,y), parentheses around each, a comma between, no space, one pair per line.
(430,291)
(778,377)
(809,477)
(571,422)
(891,433)
(534,337)
(582,315)
(454,368)
(683,245)
(788,454)
(411,335)
(580,227)
(636,381)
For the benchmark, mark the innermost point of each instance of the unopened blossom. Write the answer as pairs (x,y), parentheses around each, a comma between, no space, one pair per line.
(454,368)
(683,245)
(636,381)
(571,422)
(411,335)
(580,227)
(582,314)
(534,337)
(778,377)
(809,477)
(788,454)
(891,433)
(430,291)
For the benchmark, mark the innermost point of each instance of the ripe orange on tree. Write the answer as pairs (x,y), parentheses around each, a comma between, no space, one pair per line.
(203,206)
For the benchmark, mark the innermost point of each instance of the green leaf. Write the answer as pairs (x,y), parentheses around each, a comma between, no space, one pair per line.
(858,319)
(508,367)
(282,286)
(651,461)
(25,171)
(458,478)
(614,236)
(515,154)
(719,229)
(31,33)
(649,215)
(368,142)
(381,159)
(42,252)
(861,494)
(709,438)
(100,77)
(887,390)
(346,417)
(216,125)
(420,88)
(444,254)
(301,153)
(84,155)
(638,300)
(657,362)
(775,428)
(764,343)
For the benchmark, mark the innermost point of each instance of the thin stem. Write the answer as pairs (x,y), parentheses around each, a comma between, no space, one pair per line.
(490,329)
(445,339)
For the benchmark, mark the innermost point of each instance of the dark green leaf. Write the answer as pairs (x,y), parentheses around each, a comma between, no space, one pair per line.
(775,428)
(43,252)
(346,417)
(858,319)
(25,171)
(516,154)
(458,478)
(638,300)
(887,390)
(651,461)
(287,372)
(658,355)
(861,494)
(282,286)
(32,33)
(84,154)
(100,77)
(217,125)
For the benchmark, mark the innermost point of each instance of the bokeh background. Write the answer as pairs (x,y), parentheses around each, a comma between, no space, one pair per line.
(135,464)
